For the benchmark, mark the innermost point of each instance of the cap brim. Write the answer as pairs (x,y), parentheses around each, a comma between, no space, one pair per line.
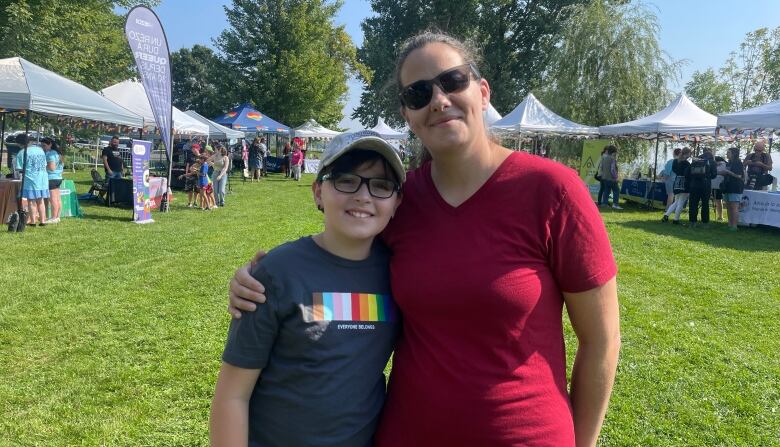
(375,144)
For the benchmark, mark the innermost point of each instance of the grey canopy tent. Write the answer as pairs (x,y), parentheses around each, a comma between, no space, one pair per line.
(27,87)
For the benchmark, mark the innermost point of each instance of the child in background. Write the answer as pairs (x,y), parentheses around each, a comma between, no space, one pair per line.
(206,193)
(322,343)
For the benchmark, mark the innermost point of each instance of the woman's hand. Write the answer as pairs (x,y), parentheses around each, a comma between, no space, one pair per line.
(244,290)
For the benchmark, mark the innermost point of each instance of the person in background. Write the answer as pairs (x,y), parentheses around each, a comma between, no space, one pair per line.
(680,191)
(717,194)
(54,168)
(286,152)
(190,182)
(255,159)
(112,162)
(733,185)
(220,163)
(597,176)
(699,175)
(667,175)
(296,160)
(35,183)
(758,165)
(609,175)
(264,153)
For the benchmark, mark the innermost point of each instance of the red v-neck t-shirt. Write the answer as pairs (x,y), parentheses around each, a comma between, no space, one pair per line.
(481,358)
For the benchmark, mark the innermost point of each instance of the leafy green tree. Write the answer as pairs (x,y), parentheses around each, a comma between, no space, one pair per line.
(514,38)
(609,66)
(709,92)
(80,39)
(201,81)
(753,71)
(289,58)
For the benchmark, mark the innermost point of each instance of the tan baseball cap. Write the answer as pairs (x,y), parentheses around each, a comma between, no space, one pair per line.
(366,140)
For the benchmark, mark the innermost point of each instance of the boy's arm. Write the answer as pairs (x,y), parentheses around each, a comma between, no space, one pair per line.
(229,422)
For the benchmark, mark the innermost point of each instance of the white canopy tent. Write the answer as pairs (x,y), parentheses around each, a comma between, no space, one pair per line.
(491,115)
(680,117)
(387,132)
(764,118)
(313,129)
(532,118)
(217,131)
(26,86)
(132,96)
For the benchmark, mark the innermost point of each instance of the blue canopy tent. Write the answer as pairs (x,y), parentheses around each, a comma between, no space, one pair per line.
(246,118)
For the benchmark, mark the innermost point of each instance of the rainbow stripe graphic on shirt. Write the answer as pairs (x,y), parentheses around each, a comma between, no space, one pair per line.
(337,306)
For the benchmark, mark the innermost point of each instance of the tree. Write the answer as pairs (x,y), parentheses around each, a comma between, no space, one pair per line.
(609,66)
(289,58)
(753,72)
(709,92)
(80,39)
(201,81)
(514,37)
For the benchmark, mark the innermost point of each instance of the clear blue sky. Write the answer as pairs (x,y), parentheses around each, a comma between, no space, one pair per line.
(701,32)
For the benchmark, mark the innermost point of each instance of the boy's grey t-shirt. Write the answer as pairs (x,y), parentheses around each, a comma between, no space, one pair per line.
(322,340)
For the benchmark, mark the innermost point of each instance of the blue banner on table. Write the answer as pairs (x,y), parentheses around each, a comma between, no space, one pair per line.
(639,191)
(142,210)
(150,49)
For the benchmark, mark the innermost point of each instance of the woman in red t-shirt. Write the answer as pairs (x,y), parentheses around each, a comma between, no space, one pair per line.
(488,246)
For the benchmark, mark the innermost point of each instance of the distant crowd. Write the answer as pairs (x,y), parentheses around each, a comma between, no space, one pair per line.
(695,180)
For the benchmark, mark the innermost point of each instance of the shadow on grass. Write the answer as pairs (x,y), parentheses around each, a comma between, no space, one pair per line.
(96,210)
(761,238)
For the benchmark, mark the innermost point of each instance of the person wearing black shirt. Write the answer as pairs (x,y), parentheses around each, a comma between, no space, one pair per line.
(758,165)
(680,186)
(698,176)
(112,162)
(733,185)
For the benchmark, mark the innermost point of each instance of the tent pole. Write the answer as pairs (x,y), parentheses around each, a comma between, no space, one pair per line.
(655,170)
(2,144)
(166,196)
(24,165)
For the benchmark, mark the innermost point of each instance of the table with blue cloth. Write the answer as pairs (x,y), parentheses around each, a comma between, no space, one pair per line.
(638,190)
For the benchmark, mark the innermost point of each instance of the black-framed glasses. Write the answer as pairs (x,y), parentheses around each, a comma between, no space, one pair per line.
(381,188)
(418,94)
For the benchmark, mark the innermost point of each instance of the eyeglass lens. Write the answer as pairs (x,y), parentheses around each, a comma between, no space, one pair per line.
(418,94)
(378,187)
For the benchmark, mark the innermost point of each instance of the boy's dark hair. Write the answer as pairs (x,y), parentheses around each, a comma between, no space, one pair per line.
(354,159)
(22,139)
(611,149)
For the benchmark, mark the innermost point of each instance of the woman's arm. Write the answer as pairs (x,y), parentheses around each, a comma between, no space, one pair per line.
(595,318)
(244,290)
(229,422)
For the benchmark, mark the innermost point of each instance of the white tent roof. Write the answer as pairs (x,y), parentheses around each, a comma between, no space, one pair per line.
(26,86)
(132,96)
(387,132)
(766,116)
(532,117)
(313,129)
(491,115)
(216,130)
(680,117)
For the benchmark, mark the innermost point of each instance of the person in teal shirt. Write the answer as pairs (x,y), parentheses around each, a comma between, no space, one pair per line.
(35,184)
(54,168)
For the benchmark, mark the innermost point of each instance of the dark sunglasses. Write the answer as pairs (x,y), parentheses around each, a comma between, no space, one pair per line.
(418,94)
(381,188)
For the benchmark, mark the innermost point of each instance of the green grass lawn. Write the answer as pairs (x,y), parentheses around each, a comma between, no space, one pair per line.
(111,332)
